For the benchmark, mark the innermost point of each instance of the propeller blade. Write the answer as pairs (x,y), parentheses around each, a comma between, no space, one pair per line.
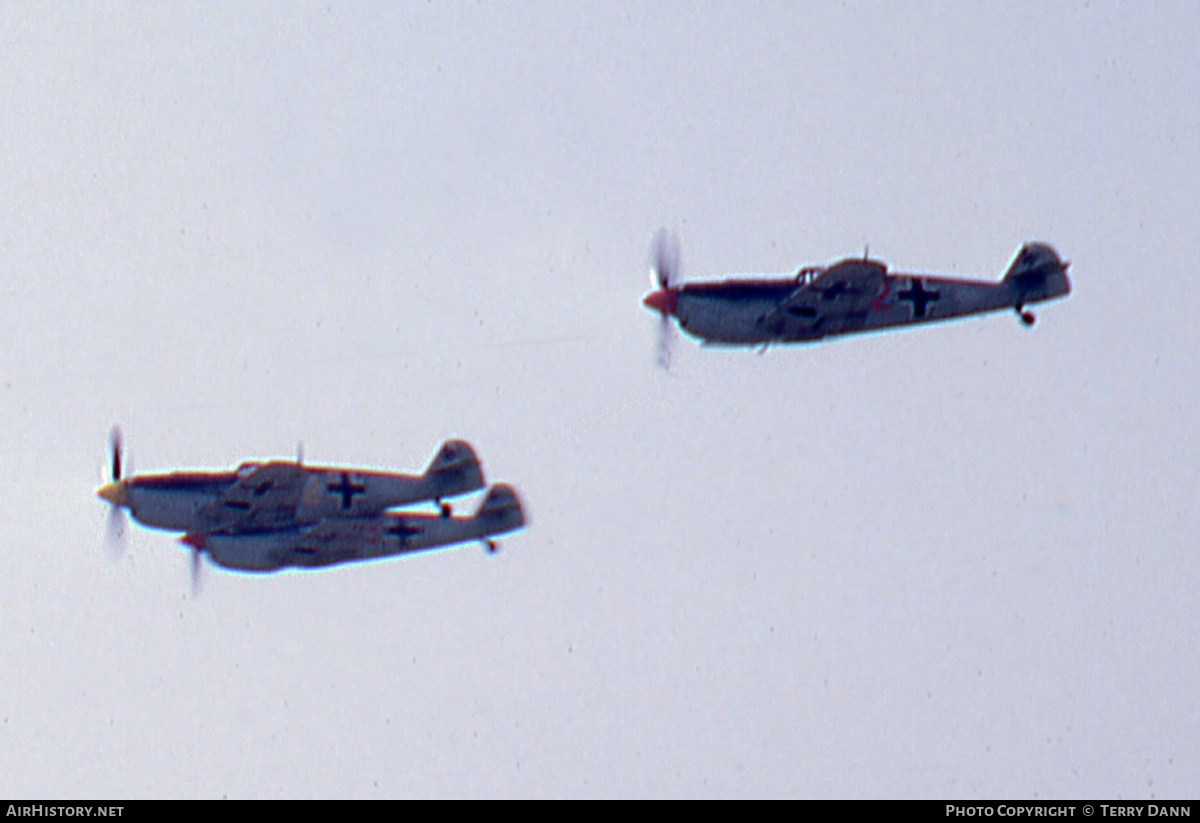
(196,542)
(197,567)
(665,259)
(117,525)
(114,537)
(663,350)
(116,445)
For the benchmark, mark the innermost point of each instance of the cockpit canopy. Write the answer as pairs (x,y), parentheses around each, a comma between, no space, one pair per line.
(857,267)
(853,268)
(808,274)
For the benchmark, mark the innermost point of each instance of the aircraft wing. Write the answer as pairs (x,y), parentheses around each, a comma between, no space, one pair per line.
(839,299)
(338,540)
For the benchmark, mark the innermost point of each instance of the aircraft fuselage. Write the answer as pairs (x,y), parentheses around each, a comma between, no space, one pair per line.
(284,494)
(855,295)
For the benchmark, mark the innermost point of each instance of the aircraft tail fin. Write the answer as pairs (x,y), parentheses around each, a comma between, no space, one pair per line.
(1035,261)
(1038,273)
(455,469)
(501,510)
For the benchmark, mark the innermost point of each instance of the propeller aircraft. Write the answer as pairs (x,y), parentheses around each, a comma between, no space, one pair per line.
(851,296)
(264,516)
(334,540)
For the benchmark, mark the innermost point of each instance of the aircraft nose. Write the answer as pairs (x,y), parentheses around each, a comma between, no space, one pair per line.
(662,301)
(114,493)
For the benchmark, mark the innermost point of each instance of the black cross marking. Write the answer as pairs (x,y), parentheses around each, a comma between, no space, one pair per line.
(404,531)
(919,298)
(347,490)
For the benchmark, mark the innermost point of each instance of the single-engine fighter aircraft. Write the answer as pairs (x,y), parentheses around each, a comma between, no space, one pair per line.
(334,540)
(280,513)
(281,494)
(848,297)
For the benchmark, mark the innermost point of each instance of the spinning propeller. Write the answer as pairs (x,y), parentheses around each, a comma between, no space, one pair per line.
(114,493)
(116,445)
(196,541)
(664,262)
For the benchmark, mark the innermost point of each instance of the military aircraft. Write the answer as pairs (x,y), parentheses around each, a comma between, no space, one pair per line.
(280,494)
(848,297)
(264,516)
(333,541)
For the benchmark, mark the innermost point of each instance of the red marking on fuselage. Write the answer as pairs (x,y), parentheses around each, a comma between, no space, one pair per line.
(877,306)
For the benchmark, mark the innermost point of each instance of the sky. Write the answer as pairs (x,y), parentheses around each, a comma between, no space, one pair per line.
(955,561)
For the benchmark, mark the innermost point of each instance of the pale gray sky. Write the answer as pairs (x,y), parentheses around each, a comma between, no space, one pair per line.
(956,561)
